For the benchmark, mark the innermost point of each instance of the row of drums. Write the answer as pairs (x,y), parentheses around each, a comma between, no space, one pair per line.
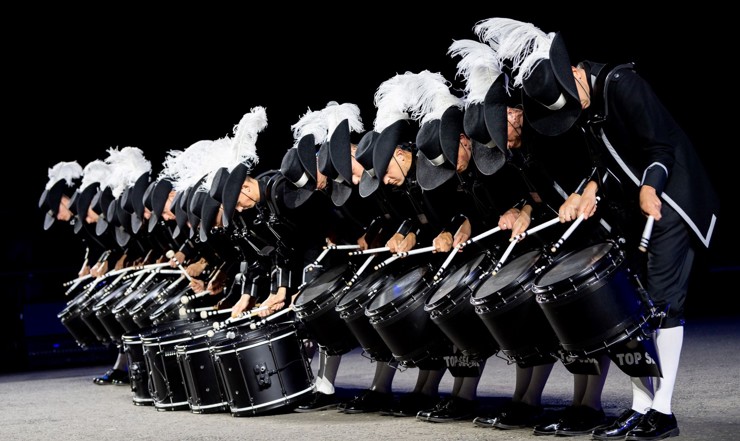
(532,310)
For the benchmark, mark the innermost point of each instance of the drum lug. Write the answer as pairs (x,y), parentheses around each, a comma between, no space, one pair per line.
(262,375)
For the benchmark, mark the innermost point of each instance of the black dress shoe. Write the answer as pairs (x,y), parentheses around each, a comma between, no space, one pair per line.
(619,428)
(370,401)
(320,402)
(516,415)
(486,421)
(551,422)
(654,425)
(455,409)
(581,421)
(410,404)
(424,414)
(112,376)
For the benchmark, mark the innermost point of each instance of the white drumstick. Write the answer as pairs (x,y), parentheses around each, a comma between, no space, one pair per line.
(369,251)
(567,233)
(342,247)
(646,232)
(447,261)
(480,236)
(386,262)
(171,255)
(360,270)
(532,230)
(213,311)
(415,251)
(505,256)
(189,297)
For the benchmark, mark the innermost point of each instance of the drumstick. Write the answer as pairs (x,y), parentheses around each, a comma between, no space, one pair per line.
(646,232)
(369,251)
(357,274)
(567,233)
(386,262)
(342,247)
(416,251)
(213,311)
(188,297)
(503,258)
(480,236)
(447,261)
(171,255)
(539,227)
(76,281)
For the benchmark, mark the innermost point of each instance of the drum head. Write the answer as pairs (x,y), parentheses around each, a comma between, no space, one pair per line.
(576,265)
(324,285)
(397,291)
(461,278)
(172,304)
(154,292)
(513,273)
(113,296)
(363,290)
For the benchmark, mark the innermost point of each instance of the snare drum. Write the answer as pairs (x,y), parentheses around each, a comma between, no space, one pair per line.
(351,309)
(87,314)
(264,369)
(122,310)
(137,371)
(155,297)
(173,309)
(104,310)
(71,318)
(166,384)
(315,308)
(506,304)
(590,300)
(450,309)
(397,314)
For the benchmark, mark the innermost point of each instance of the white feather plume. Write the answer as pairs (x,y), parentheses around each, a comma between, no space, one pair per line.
(126,165)
(479,66)
(244,140)
(184,168)
(94,172)
(311,123)
(522,43)
(220,154)
(335,113)
(431,97)
(391,99)
(67,171)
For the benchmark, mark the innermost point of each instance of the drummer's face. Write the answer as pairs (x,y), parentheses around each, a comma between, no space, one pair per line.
(248,195)
(464,152)
(64,214)
(92,216)
(167,213)
(357,169)
(395,175)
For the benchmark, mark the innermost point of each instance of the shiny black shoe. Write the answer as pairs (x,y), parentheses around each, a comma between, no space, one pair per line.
(486,421)
(112,376)
(370,401)
(320,402)
(551,422)
(619,428)
(581,420)
(455,409)
(654,425)
(424,414)
(410,404)
(517,415)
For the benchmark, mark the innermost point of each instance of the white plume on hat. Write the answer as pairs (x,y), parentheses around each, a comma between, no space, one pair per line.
(126,165)
(244,141)
(220,154)
(392,98)
(522,43)
(313,123)
(431,97)
(94,172)
(479,66)
(334,113)
(185,167)
(67,171)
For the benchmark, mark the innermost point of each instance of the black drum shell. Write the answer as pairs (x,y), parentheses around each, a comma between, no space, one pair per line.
(351,308)
(315,308)
(138,373)
(450,309)
(592,305)
(508,308)
(401,321)
(104,311)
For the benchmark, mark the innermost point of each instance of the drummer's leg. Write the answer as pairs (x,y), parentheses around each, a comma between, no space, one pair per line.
(118,374)
(537,376)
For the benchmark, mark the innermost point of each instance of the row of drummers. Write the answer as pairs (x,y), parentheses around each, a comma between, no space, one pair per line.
(534,308)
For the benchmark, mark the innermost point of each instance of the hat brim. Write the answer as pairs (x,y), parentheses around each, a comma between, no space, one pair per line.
(368,184)
(208,212)
(488,158)
(48,220)
(545,121)
(386,144)
(494,109)
(474,123)
(122,236)
(307,154)
(431,176)
(340,150)
(232,188)
(340,192)
(450,127)
(160,194)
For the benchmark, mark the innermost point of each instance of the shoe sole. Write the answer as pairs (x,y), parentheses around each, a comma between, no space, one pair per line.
(329,407)
(580,432)
(669,434)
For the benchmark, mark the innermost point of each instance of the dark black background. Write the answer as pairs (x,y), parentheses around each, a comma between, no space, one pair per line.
(162,80)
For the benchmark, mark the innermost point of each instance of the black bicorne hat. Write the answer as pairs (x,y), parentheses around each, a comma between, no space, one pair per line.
(301,185)
(232,188)
(364,155)
(391,137)
(432,167)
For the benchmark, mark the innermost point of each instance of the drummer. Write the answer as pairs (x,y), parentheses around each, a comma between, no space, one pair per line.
(295,235)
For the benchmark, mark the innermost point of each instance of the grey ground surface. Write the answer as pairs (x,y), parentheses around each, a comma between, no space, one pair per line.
(65,404)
